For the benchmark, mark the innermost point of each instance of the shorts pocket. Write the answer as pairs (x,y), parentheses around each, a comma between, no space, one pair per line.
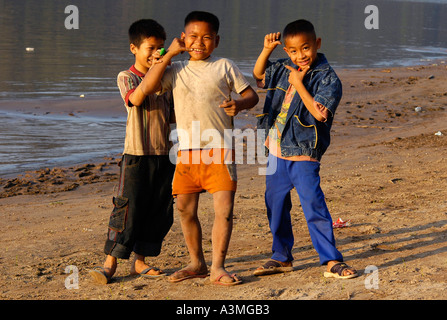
(118,217)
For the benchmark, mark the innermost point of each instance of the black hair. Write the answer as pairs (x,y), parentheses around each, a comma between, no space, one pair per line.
(145,28)
(204,17)
(299,27)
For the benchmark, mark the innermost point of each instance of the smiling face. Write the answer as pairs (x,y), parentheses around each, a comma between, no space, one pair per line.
(302,49)
(143,53)
(200,40)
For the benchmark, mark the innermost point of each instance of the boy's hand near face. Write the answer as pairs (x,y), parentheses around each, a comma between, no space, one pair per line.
(156,58)
(177,46)
(152,80)
(297,76)
(296,79)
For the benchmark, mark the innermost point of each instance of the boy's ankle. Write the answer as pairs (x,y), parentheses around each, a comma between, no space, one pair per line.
(110,263)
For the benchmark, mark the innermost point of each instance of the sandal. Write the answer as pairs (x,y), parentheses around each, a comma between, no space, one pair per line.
(233,276)
(272,267)
(100,275)
(338,269)
(182,275)
(145,273)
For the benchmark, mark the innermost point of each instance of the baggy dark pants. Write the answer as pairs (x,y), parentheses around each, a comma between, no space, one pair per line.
(143,208)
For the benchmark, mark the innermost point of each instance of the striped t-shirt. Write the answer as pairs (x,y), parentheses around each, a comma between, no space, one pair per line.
(147,129)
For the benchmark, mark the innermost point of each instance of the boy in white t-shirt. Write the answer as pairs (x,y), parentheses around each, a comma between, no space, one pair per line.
(203,107)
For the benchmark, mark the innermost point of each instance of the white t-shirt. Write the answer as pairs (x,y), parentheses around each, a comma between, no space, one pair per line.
(199,87)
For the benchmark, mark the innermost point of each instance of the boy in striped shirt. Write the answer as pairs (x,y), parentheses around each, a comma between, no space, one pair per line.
(143,207)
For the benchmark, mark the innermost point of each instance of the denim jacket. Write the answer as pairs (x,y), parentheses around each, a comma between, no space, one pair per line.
(303,134)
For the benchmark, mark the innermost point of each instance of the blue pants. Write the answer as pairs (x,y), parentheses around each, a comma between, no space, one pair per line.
(304,177)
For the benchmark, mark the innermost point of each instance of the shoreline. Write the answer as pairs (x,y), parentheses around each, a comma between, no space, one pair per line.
(106,105)
(103,106)
(59,133)
(385,171)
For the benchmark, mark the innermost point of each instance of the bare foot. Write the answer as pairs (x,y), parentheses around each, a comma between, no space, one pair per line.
(104,274)
(341,270)
(189,272)
(110,266)
(222,277)
(139,267)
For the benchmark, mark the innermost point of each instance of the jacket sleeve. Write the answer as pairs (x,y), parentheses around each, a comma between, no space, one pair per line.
(329,92)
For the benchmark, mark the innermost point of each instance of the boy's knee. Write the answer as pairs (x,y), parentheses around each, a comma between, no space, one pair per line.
(226,215)
(186,209)
(224,210)
(183,208)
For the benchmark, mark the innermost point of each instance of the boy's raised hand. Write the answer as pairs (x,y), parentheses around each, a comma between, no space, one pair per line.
(272,40)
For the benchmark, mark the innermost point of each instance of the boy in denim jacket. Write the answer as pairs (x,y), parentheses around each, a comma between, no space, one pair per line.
(303,94)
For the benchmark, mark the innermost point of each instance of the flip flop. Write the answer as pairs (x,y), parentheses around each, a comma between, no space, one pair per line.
(145,274)
(337,271)
(188,275)
(99,275)
(272,267)
(232,276)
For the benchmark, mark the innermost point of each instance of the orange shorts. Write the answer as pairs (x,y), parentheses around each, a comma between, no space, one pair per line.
(204,170)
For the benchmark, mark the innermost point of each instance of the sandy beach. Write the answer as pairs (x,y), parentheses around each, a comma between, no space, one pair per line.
(385,171)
